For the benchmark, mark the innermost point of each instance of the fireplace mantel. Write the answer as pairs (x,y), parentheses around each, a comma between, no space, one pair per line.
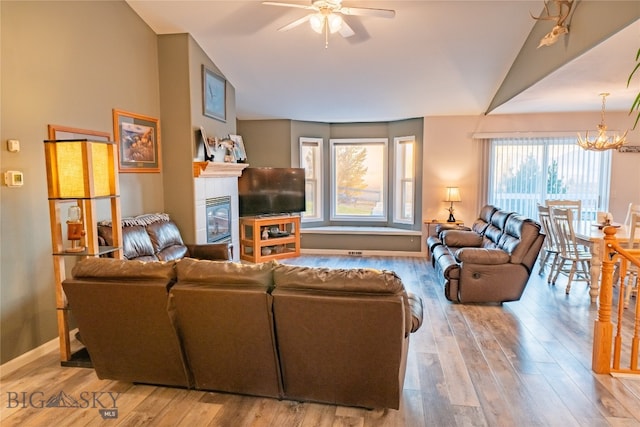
(217,169)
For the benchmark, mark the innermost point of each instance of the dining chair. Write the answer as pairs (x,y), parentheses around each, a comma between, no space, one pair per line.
(574,259)
(550,251)
(632,271)
(633,208)
(574,205)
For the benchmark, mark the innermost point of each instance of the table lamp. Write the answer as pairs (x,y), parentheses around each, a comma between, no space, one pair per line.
(452,195)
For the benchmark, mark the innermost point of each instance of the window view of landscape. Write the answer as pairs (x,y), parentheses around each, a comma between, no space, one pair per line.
(528,171)
(359,178)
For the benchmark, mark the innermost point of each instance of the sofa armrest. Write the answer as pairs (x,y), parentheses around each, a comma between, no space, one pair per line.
(211,251)
(482,256)
(415,305)
(461,238)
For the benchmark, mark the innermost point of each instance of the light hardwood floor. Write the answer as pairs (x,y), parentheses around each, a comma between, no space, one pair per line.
(525,363)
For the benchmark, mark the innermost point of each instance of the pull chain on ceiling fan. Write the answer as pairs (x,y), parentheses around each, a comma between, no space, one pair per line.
(327,16)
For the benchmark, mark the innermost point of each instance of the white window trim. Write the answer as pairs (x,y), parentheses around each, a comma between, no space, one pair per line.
(320,177)
(397,181)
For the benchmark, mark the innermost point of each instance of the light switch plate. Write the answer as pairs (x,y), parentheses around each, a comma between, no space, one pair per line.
(13,178)
(13,145)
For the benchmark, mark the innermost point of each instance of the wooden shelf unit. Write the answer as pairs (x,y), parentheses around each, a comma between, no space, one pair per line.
(59,200)
(252,244)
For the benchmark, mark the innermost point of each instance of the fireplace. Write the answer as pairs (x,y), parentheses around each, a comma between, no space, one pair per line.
(218,219)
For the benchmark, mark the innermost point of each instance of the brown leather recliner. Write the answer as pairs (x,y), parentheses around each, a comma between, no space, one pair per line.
(121,309)
(222,312)
(155,237)
(343,334)
(491,262)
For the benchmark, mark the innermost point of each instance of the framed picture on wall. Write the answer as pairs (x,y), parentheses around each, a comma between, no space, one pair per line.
(138,139)
(214,95)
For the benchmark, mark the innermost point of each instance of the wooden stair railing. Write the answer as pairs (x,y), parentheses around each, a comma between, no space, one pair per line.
(603,362)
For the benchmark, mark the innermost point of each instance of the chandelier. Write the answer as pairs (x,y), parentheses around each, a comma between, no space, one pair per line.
(603,141)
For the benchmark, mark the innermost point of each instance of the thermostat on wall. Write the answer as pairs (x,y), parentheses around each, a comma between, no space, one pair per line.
(13,179)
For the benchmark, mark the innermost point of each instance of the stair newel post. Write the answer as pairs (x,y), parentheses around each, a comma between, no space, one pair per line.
(603,328)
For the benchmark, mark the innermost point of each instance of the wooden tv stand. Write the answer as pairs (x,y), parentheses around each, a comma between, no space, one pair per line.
(283,244)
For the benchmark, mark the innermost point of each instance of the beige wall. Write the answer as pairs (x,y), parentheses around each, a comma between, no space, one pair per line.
(58,67)
(181,60)
(452,157)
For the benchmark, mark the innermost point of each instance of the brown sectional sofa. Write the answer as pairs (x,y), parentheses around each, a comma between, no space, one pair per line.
(336,336)
(489,262)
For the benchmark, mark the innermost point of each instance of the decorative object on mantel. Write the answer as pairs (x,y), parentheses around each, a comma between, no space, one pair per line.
(603,141)
(238,148)
(218,169)
(326,17)
(208,146)
(629,149)
(562,20)
(453,195)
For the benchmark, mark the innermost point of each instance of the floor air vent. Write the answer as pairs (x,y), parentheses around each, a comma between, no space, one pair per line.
(355,253)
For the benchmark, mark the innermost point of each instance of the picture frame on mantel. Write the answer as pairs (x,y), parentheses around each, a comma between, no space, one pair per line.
(138,139)
(214,95)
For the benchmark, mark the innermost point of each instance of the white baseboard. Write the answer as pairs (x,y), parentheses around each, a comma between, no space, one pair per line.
(356,252)
(31,355)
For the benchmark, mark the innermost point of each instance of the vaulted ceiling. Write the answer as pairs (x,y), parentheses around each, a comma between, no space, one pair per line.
(433,58)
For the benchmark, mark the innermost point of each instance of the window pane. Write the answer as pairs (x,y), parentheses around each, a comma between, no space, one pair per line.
(528,171)
(358,184)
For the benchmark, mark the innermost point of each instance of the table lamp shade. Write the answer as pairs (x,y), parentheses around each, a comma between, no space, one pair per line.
(452,195)
(79,168)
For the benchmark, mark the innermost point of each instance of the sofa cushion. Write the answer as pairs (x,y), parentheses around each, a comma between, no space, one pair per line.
(360,280)
(166,240)
(136,244)
(519,236)
(460,238)
(224,272)
(109,268)
(482,256)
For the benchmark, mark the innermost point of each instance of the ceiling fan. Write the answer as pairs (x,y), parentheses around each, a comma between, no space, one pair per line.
(327,16)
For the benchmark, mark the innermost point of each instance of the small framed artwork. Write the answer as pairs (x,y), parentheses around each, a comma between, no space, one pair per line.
(238,148)
(214,95)
(138,139)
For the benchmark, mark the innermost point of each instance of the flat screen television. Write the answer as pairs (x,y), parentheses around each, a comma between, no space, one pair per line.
(271,191)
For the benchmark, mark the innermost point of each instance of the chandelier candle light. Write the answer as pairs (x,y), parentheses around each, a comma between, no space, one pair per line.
(603,141)
(452,195)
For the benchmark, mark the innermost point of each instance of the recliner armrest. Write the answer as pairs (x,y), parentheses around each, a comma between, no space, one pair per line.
(211,251)
(461,238)
(482,256)
(415,305)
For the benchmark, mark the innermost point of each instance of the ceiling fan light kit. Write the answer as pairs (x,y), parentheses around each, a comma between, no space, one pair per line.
(327,16)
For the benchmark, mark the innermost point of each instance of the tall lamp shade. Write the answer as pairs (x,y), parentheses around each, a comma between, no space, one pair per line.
(79,169)
(452,195)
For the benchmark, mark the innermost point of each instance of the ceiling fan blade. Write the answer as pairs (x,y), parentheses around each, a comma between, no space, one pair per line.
(365,11)
(295,23)
(346,30)
(299,6)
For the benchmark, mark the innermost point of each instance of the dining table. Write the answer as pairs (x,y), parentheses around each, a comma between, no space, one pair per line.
(591,234)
